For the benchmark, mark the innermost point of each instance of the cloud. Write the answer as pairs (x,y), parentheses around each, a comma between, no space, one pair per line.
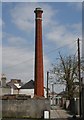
(16,41)
(18,58)
(25,21)
(57,33)
(63,35)
(20,63)
(17,62)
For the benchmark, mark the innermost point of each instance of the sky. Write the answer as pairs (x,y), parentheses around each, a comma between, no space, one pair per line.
(41,0)
(62,25)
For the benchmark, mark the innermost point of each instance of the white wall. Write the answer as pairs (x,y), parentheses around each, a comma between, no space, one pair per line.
(45,93)
(30,92)
(27,92)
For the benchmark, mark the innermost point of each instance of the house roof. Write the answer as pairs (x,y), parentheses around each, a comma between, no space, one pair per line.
(28,85)
(53,93)
(62,93)
(11,84)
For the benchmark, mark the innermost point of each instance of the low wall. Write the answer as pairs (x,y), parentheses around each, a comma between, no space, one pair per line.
(30,108)
(72,105)
(75,106)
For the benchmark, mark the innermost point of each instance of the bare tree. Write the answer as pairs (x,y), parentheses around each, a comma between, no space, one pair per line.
(66,71)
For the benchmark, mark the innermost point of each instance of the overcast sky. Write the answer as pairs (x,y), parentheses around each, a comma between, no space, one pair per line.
(61,28)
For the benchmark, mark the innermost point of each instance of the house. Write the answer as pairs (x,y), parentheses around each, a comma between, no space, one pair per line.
(28,89)
(61,98)
(53,96)
(62,94)
(15,85)
(11,87)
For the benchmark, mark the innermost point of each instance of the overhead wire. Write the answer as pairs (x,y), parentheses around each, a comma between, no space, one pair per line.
(33,58)
(46,53)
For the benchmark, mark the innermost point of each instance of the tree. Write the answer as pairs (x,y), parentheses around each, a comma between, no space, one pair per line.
(82,64)
(66,71)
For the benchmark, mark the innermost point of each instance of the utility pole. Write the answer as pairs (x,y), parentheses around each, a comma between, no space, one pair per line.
(79,76)
(53,93)
(47,82)
(83,59)
(83,97)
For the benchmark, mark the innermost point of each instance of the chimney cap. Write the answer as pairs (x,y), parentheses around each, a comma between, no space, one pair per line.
(3,76)
(38,9)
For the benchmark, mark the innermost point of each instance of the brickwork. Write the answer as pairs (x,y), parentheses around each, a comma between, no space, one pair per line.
(39,77)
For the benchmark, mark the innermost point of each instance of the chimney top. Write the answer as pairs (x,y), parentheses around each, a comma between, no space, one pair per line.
(38,9)
(3,76)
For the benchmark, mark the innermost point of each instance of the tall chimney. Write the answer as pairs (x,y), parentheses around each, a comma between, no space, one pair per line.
(39,77)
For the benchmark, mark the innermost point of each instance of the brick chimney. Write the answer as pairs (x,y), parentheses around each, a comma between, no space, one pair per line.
(39,77)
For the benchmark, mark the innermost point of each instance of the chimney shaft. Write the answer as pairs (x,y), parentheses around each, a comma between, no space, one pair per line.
(39,77)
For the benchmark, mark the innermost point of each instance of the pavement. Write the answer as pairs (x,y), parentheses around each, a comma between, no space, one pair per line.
(58,113)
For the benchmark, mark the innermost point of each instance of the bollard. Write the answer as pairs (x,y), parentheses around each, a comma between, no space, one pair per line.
(46,114)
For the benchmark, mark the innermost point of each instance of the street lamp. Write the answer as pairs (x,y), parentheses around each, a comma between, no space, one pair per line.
(48,78)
